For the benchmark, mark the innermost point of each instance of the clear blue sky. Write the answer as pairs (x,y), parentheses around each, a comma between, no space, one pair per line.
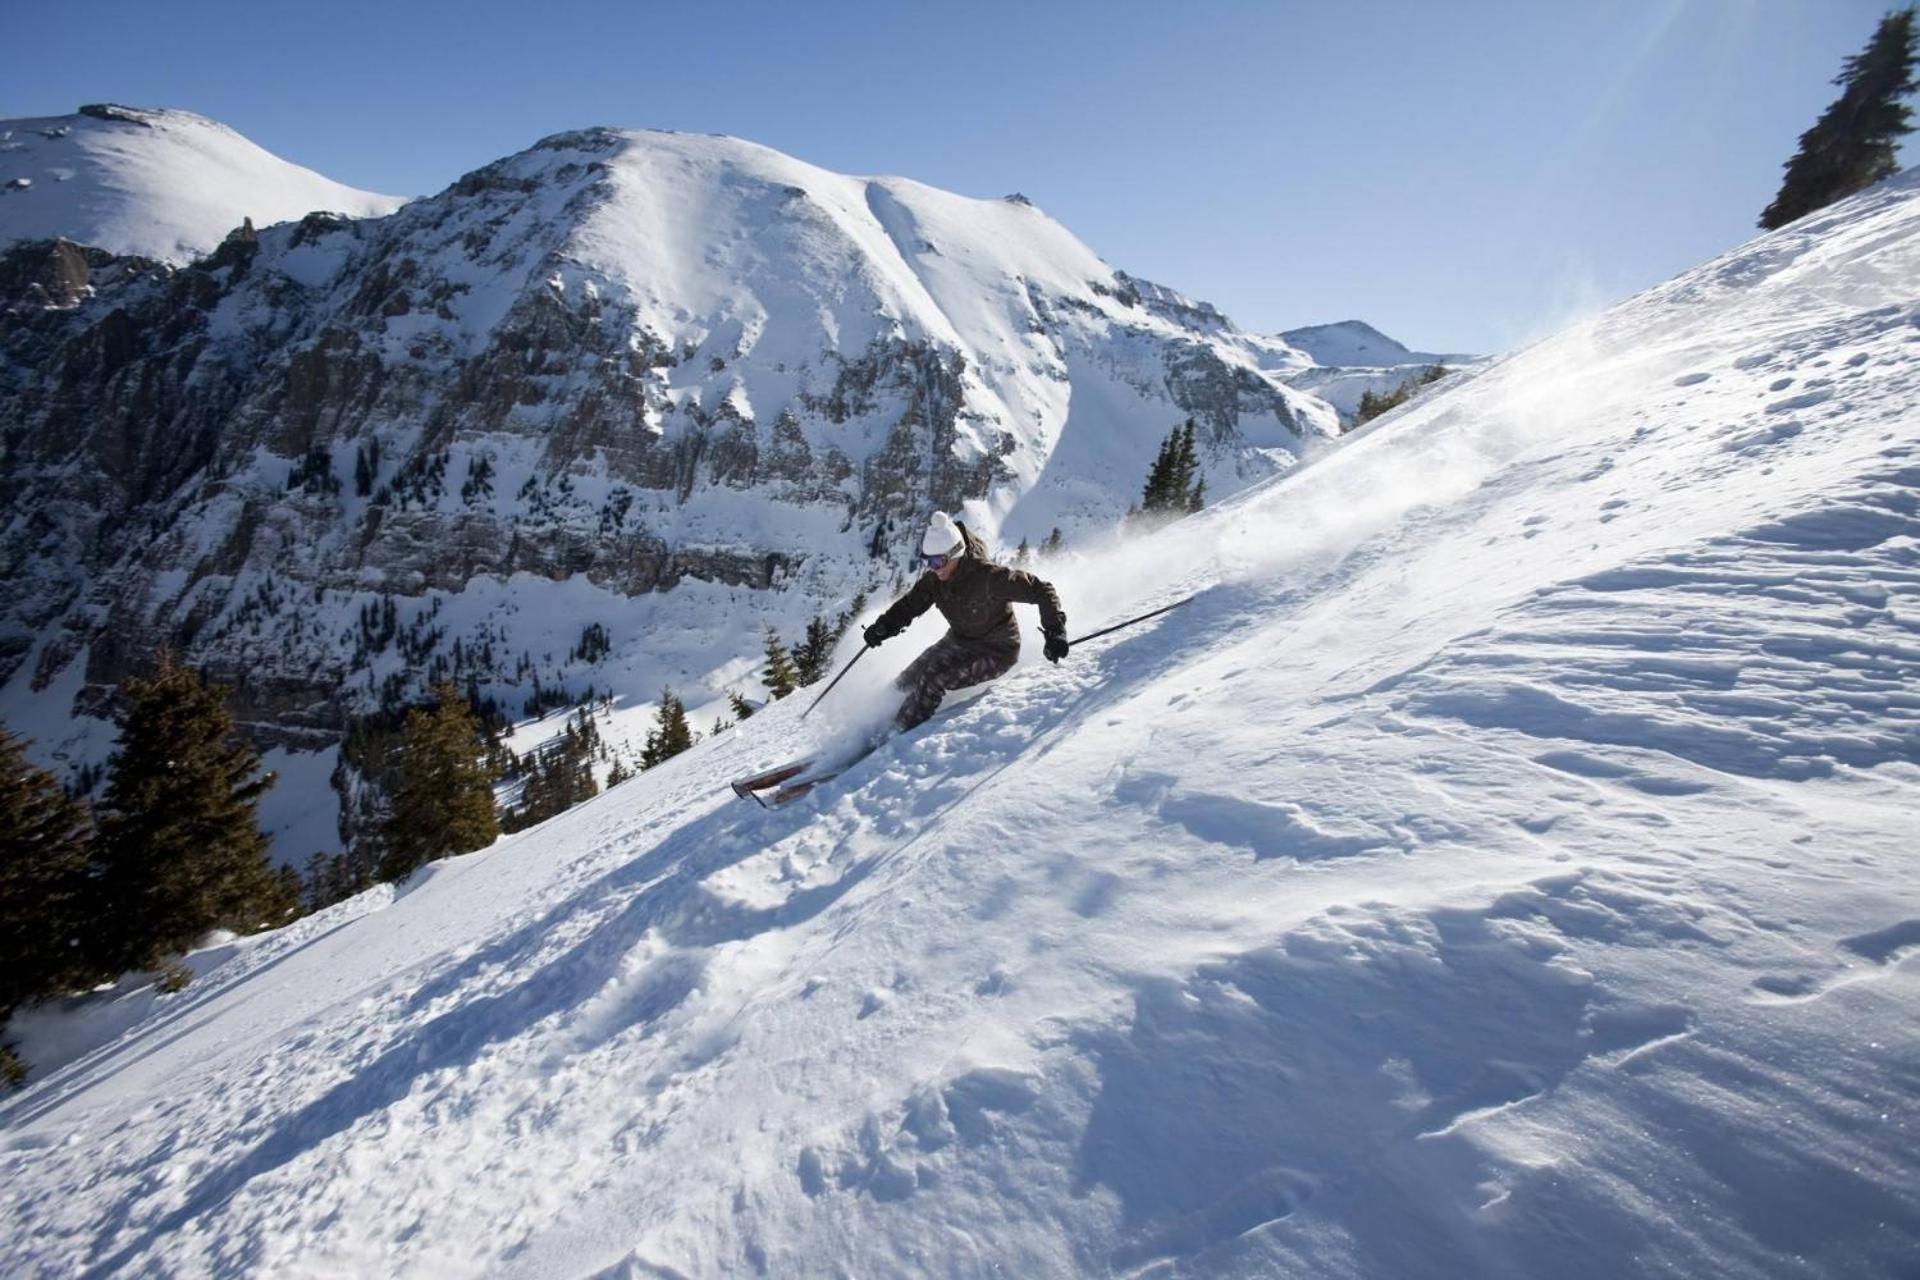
(1464,175)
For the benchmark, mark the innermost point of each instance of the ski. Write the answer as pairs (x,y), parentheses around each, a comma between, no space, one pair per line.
(783,784)
(794,791)
(749,788)
(789,782)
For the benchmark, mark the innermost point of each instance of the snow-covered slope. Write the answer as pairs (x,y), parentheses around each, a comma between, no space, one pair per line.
(161,184)
(1503,868)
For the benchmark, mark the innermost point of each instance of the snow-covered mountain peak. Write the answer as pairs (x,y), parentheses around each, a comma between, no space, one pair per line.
(157,183)
(711,230)
(1355,343)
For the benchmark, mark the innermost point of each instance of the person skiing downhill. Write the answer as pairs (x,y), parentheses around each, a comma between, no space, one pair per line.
(976,596)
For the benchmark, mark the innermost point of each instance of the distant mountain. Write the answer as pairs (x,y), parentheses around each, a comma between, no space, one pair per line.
(1351,343)
(161,184)
(1352,358)
(679,386)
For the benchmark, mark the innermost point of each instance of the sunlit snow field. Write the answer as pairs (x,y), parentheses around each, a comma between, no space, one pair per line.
(1505,866)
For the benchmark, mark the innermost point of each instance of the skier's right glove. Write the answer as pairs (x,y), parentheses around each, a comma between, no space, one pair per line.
(1056,648)
(874,636)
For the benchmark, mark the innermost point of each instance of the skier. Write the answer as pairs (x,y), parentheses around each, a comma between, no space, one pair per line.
(976,596)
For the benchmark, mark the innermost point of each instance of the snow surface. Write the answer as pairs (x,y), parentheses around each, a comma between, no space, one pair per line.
(1504,867)
(163,184)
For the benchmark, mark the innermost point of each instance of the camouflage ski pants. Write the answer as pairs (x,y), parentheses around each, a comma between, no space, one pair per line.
(949,663)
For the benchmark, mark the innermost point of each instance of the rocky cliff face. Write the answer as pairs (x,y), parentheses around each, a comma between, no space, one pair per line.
(677,385)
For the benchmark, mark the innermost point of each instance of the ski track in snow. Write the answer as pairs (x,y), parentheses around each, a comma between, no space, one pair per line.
(1504,867)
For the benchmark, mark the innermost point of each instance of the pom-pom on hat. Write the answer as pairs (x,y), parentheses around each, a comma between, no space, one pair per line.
(943,536)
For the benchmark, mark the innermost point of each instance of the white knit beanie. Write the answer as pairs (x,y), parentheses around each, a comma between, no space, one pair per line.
(943,536)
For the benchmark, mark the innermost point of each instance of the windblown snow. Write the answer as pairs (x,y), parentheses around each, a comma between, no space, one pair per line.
(1504,867)
(161,184)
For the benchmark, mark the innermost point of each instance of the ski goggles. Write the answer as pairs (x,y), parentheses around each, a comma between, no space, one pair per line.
(936,561)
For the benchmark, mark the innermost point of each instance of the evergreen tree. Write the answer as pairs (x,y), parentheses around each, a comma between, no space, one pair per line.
(365,467)
(1022,555)
(742,709)
(1153,495)
(443,796)
(1173,484)
(47,899)
(1854,142)
(180,849)
(1372,404)
(330,879)
(856,607)
(1054,543)
(811,655)
(671,734)
(779,675)
(1185,466)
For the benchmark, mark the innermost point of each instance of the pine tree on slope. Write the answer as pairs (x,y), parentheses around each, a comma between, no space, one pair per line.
(46,894)
(672,733)
(443,799)
(1153,495)
(1185,466)
(779,675)
(811,655)
(1173,483)
(180,849)
(1855,141)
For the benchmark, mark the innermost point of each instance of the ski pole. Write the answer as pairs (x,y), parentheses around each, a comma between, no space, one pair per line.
(1119,626)
(836,680)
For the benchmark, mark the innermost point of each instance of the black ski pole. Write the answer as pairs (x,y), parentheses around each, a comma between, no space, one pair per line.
(1119,626)
(836,680)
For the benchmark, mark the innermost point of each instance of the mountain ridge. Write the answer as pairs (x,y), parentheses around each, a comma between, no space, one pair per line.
(691,385)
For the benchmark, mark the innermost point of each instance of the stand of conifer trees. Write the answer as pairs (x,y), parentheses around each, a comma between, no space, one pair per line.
(443,799)
(671,733)
(1174,486)
(180,851)
(788,669)
(175,852)
(1373,405)
(47,903)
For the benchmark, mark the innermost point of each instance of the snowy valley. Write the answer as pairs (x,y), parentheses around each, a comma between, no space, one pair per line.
(1503,867)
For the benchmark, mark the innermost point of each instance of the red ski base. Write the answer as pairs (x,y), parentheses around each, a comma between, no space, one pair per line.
(755,787)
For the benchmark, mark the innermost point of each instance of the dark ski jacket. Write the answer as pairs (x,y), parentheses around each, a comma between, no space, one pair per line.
(977,601)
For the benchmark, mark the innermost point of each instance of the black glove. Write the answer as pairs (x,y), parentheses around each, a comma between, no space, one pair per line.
(873,635)
(1056,648)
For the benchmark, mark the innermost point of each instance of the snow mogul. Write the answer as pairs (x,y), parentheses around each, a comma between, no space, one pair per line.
(976,597)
